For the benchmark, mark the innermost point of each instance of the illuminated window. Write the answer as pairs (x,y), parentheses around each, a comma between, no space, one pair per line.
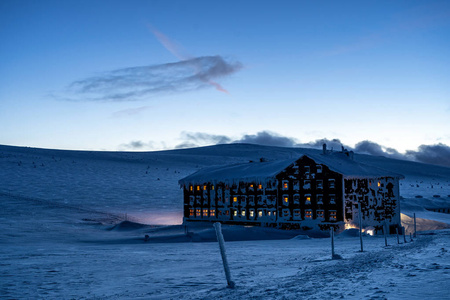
(198,188)
(319,168)
(252,213)
(260,213)
(308,214)
(212,213)
(243,213)
(191,188)
(251,186)
(308,199)
(269,213)
(259,186)
(234,199)
(198,212)
(212,187)
(379,184)
(204,187)
(285,185)
(320,214)
(331,183)
(332,215)
(205,212)
(191,212)
(285,199)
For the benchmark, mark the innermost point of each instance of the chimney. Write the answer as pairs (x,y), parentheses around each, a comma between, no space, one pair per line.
(324,147)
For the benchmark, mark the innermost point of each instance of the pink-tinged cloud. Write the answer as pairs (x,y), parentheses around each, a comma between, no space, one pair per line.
(178,52)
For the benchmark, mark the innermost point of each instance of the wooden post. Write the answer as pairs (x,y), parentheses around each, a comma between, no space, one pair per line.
(415,228)
(385,234)
(332,242)
(360,227)
(398,239)
(221,241)
(410,236)
(404,234)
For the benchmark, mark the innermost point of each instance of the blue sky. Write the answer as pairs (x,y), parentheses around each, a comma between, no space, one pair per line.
(307,70)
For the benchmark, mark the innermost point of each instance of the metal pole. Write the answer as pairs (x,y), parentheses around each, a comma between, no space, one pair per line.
(221,241)
(385,234)
(360,227)
(398,239)
(332,242)
(415,228)
(404,234)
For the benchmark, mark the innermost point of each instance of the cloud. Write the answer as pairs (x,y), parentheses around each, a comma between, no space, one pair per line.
(137,145)
(368,147)
(431,154)
(139,83)
(334,144)
(195,139)
(268,139)
(130,111)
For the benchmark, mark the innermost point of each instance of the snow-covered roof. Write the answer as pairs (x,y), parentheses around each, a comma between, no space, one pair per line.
(261,171)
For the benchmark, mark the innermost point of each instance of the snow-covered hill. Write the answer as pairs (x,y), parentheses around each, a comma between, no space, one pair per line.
(145,184)
(62,235)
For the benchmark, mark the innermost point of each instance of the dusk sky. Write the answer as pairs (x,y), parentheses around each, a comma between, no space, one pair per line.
(152,75)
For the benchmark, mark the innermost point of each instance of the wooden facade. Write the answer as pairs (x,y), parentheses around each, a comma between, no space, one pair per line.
(300,194)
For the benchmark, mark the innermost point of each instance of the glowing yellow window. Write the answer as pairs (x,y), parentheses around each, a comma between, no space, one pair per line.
(243,213)
(191,212)
(269,213)
(308,199)
(259,186)
(205,212)
(286,199)
(235,213)
(198,188)
(234,199)
(308,214)
(260,213)
(191,188)
(251,186)
(285,185)
(332,215)
(198,212)
(212,213)
(379,184)
(212,187)
(204,187)
(252,213)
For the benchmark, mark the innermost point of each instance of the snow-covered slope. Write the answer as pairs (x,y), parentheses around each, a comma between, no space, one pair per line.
(145,184)
(61,235)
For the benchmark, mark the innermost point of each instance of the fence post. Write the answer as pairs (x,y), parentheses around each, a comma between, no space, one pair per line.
(385,234)
(332,242)
(398,239)
(415,228)
(360,227)
(221,241)
(404,234)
